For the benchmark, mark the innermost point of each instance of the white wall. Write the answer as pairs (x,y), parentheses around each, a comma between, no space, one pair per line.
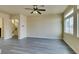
(6,25)
(22,27)
(78,24)
(45,26)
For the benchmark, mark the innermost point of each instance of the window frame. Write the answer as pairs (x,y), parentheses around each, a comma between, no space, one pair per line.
(68,17)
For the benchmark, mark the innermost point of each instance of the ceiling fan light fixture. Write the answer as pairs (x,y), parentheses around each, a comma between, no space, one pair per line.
(35,12)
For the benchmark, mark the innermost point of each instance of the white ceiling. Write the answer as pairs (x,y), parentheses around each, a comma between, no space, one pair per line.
(16,9)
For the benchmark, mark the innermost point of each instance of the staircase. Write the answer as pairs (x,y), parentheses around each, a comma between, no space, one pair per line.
(15,30)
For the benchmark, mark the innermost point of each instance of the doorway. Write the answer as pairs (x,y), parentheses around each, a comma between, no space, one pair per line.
(15,23)
(1,27)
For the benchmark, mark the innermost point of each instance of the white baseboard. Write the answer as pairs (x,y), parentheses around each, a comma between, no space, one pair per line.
(44,37)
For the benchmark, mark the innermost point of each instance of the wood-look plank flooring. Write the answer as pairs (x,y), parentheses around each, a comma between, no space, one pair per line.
(34,46)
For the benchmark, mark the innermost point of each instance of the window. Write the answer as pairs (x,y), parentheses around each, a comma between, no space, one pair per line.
(71,25)
(15,21)
(68,23)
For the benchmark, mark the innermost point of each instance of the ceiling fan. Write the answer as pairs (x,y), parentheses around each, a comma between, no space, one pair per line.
(35,9)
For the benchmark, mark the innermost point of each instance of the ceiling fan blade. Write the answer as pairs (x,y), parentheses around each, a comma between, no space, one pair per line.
(32,12)
(28,8)
(39,12)
(41,9)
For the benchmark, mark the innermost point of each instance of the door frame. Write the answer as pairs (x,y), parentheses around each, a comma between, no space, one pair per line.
(17,26)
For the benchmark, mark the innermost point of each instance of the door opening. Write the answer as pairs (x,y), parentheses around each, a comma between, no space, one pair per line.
(1,27)
(15,27)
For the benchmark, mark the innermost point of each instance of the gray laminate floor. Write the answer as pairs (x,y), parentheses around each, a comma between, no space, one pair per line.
(34,46)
